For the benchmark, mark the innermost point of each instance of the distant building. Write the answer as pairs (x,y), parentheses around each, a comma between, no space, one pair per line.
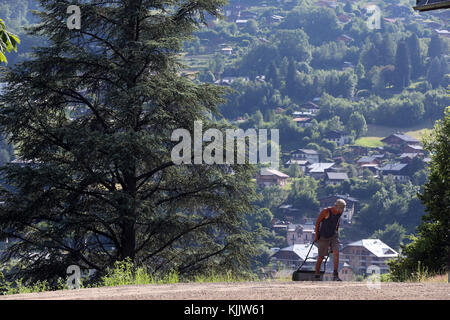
(300,234)
(318,170)
(366,252)
(398,170)
(301,163)
(335,178)
(400,139)
(338,137)
(310,107)
(269,177)
(303,122)
(291,257)
(305,154)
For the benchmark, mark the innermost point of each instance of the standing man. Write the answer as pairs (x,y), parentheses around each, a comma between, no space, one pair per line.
(327,226)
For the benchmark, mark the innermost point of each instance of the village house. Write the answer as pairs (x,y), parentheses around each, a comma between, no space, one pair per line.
(293,256)
(350,209)
(335,178)
(374,159)
(366,252)
(303,122)
(338,137)
(303,164)
(400,139)
(305,154)
(300,233)
(318,170)
(413,148)
(269,177)
(399,171)
(289,211)
(310,107)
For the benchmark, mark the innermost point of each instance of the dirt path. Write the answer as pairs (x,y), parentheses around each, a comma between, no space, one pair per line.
(267,290)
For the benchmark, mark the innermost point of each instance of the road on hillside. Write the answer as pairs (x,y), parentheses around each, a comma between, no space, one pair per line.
(265,290)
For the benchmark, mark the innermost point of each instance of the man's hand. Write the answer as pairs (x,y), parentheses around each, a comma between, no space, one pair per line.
(316,238)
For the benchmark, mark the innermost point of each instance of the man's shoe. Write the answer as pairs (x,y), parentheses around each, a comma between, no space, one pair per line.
(336,276)
(317,277)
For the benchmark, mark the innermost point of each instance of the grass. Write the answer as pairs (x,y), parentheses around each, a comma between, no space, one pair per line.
(370,142)
(375,133)
(123,273)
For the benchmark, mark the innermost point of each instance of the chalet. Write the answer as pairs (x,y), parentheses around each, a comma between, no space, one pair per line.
(408,157)
(350,209)
(300,234)
(399,139)
(291,257)
(269,177)
(338,137)
(301,163)
(374,159)
(305,154)
(288,210)
(310,107)
(398,170)
(319,169)
(335,178)
(366,252)
(413,148)
(303,122)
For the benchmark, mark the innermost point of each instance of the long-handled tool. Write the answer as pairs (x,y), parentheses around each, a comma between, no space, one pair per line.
(308,275)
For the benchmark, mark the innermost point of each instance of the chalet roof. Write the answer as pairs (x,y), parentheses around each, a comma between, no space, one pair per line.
(307,151)
(376,247)
(301,250)
(305,119)
(393,167)
(337,176)
(272,172)
(320,167)
(403,137)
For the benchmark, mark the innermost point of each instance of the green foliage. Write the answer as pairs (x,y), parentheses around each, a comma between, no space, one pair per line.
(8,42)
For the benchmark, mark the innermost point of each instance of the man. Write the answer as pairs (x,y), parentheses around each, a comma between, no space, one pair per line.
(327,226)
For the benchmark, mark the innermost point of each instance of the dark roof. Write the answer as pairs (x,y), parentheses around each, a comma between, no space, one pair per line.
(307,151)
(403,137)
(393,167)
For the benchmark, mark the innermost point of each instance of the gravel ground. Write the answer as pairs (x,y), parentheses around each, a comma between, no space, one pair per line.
(266,290)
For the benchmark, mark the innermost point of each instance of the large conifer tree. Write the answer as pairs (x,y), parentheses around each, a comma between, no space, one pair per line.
(91,117)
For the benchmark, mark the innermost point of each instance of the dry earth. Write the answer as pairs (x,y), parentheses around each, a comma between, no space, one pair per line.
(266,290)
